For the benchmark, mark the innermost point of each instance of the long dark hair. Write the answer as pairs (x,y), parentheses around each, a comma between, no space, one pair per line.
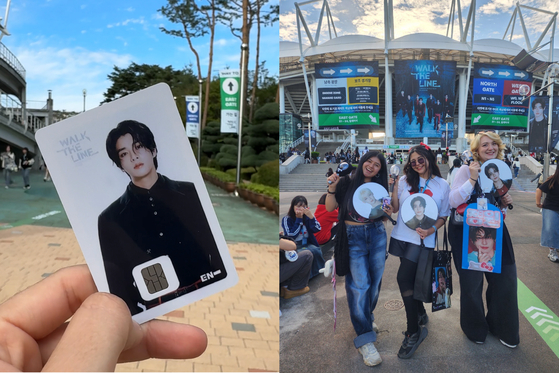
(294,202)
(358,177)
(455,164)
(554,178)
(412,177)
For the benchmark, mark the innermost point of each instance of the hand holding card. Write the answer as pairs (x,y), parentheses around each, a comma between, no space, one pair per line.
(35,329)
(128,180)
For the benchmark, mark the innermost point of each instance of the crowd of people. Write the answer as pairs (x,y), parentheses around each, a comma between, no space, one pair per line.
(483,309)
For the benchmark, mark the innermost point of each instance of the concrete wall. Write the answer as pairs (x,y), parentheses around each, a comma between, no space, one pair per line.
(290,164)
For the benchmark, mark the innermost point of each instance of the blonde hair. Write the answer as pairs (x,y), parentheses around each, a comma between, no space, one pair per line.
(364,194)
(476,142)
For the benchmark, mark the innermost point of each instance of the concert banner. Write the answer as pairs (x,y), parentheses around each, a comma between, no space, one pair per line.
(424,97)
(537,124)
(347,94)
(498,94)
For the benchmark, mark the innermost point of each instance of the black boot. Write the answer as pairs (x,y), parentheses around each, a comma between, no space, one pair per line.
(412,342)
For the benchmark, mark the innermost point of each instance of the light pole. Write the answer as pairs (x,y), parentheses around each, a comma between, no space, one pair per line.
(84,94)
(200,81)
(244,48)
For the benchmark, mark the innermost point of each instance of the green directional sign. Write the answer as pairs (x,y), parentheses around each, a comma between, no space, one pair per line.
(230,82)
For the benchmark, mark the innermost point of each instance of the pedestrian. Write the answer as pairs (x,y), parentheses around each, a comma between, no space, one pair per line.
(516,167)
(9,165)
(25,163)
(365,241)
(550,215)
(300,224)
(501,294)
(456,163)
(421,175)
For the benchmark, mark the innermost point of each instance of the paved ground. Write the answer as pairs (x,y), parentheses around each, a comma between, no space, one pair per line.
(310,344)
(242,323)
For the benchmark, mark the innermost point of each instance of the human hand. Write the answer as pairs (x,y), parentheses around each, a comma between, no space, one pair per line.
(307,211)
(298,212)
(333,181)
(485,257)
(35,336)
(423,232)
(388,209)
(475,168)
(506,199)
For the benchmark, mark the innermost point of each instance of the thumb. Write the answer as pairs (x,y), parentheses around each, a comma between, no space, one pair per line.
(95,337)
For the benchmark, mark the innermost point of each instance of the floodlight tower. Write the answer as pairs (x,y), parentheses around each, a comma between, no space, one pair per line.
(4,25)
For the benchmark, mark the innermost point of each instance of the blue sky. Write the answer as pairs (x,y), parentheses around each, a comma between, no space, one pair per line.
(366,17)
(68,46)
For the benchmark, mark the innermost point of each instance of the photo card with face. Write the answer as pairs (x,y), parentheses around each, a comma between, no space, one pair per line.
(368,200)
(482,245)
(419,210)
(137,203)
(495,177)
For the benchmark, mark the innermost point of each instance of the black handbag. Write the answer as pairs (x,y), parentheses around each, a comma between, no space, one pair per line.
(341,251)
(441,276)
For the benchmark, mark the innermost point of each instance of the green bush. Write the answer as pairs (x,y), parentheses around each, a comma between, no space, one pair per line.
(262,189)
(222,176)
(268,111)
(268,174)
(314,155)
(246,172)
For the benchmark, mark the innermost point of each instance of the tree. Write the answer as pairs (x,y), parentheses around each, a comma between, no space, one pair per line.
(249,12)
(196,20)
(137,77)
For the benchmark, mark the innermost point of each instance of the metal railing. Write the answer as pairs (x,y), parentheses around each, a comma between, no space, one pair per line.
(12,60)
(11,110)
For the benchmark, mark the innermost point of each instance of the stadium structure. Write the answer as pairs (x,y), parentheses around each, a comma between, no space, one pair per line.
(306,90)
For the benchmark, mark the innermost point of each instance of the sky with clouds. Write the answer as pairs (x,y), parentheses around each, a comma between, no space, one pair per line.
(67,46)
(366,17)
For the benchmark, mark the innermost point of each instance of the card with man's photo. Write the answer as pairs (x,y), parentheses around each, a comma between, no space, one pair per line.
(132,190)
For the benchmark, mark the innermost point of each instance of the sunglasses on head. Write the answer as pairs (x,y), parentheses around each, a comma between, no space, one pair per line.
(420,160)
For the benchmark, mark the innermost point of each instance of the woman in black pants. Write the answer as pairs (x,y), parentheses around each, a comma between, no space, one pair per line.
(501,295)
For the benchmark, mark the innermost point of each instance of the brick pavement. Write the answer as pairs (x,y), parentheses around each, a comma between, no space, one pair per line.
(242,323)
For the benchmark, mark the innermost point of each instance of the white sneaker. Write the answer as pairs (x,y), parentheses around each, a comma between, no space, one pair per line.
(371,357)
(553,255)
(506,344)
(327,270)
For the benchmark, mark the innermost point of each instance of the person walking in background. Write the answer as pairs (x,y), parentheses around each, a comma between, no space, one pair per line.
(516,167)
(421,175)
(25,163)
(501,295)
(456,163)
(363,241)
(300,224)
(9,165)
(550,215)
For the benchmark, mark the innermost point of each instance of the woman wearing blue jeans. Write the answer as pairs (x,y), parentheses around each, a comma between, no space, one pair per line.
(366,242)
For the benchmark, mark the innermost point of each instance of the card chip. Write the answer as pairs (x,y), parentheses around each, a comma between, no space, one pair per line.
(155,278)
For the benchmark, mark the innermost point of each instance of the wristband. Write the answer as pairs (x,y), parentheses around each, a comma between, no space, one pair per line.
(329,192)
(475,181)
(435,228)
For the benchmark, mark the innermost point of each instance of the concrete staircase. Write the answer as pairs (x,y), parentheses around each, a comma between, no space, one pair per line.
(306,178)
(522,182)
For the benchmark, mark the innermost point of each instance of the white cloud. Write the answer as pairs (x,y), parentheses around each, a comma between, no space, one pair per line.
(67,72)
(130,9)
(496,7)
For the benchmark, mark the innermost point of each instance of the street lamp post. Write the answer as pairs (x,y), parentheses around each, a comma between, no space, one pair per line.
(84,94)
(200,81)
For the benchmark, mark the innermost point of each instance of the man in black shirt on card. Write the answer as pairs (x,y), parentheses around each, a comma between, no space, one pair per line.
(538,127)
(156,220)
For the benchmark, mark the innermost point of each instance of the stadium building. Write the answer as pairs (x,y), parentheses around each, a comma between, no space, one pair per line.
(352,90)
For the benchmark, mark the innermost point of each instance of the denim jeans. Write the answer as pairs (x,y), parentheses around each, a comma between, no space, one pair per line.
(318,260)
(7,177)
(25,173)
(367,255)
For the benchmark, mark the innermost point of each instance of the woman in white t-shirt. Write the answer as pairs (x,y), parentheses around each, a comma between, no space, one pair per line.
(422,175)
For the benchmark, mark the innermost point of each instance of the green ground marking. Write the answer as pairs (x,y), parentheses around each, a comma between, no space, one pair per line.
(542,319)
